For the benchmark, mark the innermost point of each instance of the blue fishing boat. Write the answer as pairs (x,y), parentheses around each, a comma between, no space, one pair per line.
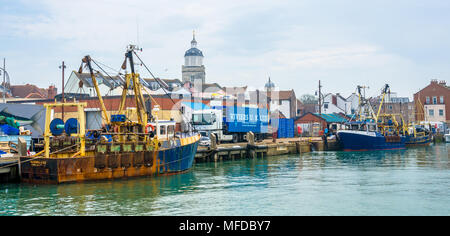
(366,138)
(372,131)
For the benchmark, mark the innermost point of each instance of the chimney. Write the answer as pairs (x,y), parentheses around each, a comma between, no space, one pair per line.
(434,81)
(443,82)
(52,91)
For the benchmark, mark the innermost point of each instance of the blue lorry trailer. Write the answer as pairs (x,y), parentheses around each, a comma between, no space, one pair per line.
(238,121)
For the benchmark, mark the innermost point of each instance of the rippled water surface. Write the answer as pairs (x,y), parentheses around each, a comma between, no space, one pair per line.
(410,182)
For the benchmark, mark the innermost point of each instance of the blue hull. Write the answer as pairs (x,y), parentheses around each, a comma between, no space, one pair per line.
(175,158)
(369,141)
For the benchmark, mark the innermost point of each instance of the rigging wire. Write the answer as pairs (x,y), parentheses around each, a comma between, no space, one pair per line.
(165,91)
(162,86)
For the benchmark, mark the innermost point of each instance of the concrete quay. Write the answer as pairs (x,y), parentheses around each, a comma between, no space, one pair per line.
(265,148)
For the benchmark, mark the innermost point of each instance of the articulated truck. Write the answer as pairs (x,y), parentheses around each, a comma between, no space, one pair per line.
(232,123)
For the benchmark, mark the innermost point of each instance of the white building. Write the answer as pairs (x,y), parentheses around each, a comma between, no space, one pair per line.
(435,112)
(335,103)
(81,83)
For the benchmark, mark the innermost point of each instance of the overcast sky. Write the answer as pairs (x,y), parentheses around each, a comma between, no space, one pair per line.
(343,43)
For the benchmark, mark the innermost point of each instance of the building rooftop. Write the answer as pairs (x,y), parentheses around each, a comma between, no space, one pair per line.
(331,118)
(193,52)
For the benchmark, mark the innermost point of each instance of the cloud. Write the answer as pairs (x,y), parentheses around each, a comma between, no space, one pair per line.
(244,42)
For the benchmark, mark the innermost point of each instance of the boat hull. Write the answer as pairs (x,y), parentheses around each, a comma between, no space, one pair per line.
(172,158)
(369,141)
(412,141)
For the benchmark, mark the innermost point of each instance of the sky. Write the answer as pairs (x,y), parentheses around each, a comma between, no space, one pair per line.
(344,43)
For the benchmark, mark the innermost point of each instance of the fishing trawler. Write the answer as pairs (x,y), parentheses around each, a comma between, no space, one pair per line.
(418,136)
(372,131)
(122,148)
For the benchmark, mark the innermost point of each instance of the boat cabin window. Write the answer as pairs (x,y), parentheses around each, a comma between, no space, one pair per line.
(162,130)
(362,128)
(354,127)
(372,127)
(165,129)
(171,130)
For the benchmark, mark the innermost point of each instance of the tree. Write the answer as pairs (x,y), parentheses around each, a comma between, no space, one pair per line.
(309,99)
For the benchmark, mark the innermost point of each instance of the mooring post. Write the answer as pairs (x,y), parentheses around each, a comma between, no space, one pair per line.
(213,138)
(251,138)
(22,149)
(251,153)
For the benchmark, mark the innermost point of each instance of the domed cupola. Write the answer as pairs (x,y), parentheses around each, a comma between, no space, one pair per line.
(193,69)
(269,85)
(193,56)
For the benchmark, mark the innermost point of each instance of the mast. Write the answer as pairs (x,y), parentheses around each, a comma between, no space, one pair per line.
(4,80)
(420,110)
(364,108)
(139,97)
(320,102)
(385,91)
(63,97)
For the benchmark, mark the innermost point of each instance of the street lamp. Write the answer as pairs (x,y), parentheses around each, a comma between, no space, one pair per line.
(4,80)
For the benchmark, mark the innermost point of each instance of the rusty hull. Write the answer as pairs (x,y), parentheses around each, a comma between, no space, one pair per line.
(95,167)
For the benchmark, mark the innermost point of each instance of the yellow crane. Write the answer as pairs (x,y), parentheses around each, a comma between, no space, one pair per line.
(87,61)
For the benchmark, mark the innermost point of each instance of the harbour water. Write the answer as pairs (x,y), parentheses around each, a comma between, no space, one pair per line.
(415,181)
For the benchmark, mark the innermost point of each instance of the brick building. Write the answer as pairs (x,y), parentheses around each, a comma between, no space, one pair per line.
(396,105)
(433,102)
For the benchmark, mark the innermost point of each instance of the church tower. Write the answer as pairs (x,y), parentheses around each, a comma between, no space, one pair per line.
(193,69)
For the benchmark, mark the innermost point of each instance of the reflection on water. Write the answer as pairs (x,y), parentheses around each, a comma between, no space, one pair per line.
(408,182)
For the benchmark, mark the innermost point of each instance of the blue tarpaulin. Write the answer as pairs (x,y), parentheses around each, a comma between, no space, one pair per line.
(9,130)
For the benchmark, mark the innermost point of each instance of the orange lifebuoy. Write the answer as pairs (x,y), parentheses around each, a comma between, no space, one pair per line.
(151,126)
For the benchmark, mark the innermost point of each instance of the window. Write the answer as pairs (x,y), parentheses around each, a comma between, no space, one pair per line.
(325,105)
(434,100)
(203,119)
(428,100)
(442,99)
(171,129)
(390,107)
(431,112)
(163,130)
(441,112)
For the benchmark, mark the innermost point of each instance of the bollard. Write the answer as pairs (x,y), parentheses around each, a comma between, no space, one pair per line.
(213,138)
(251,138)
(22,149)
